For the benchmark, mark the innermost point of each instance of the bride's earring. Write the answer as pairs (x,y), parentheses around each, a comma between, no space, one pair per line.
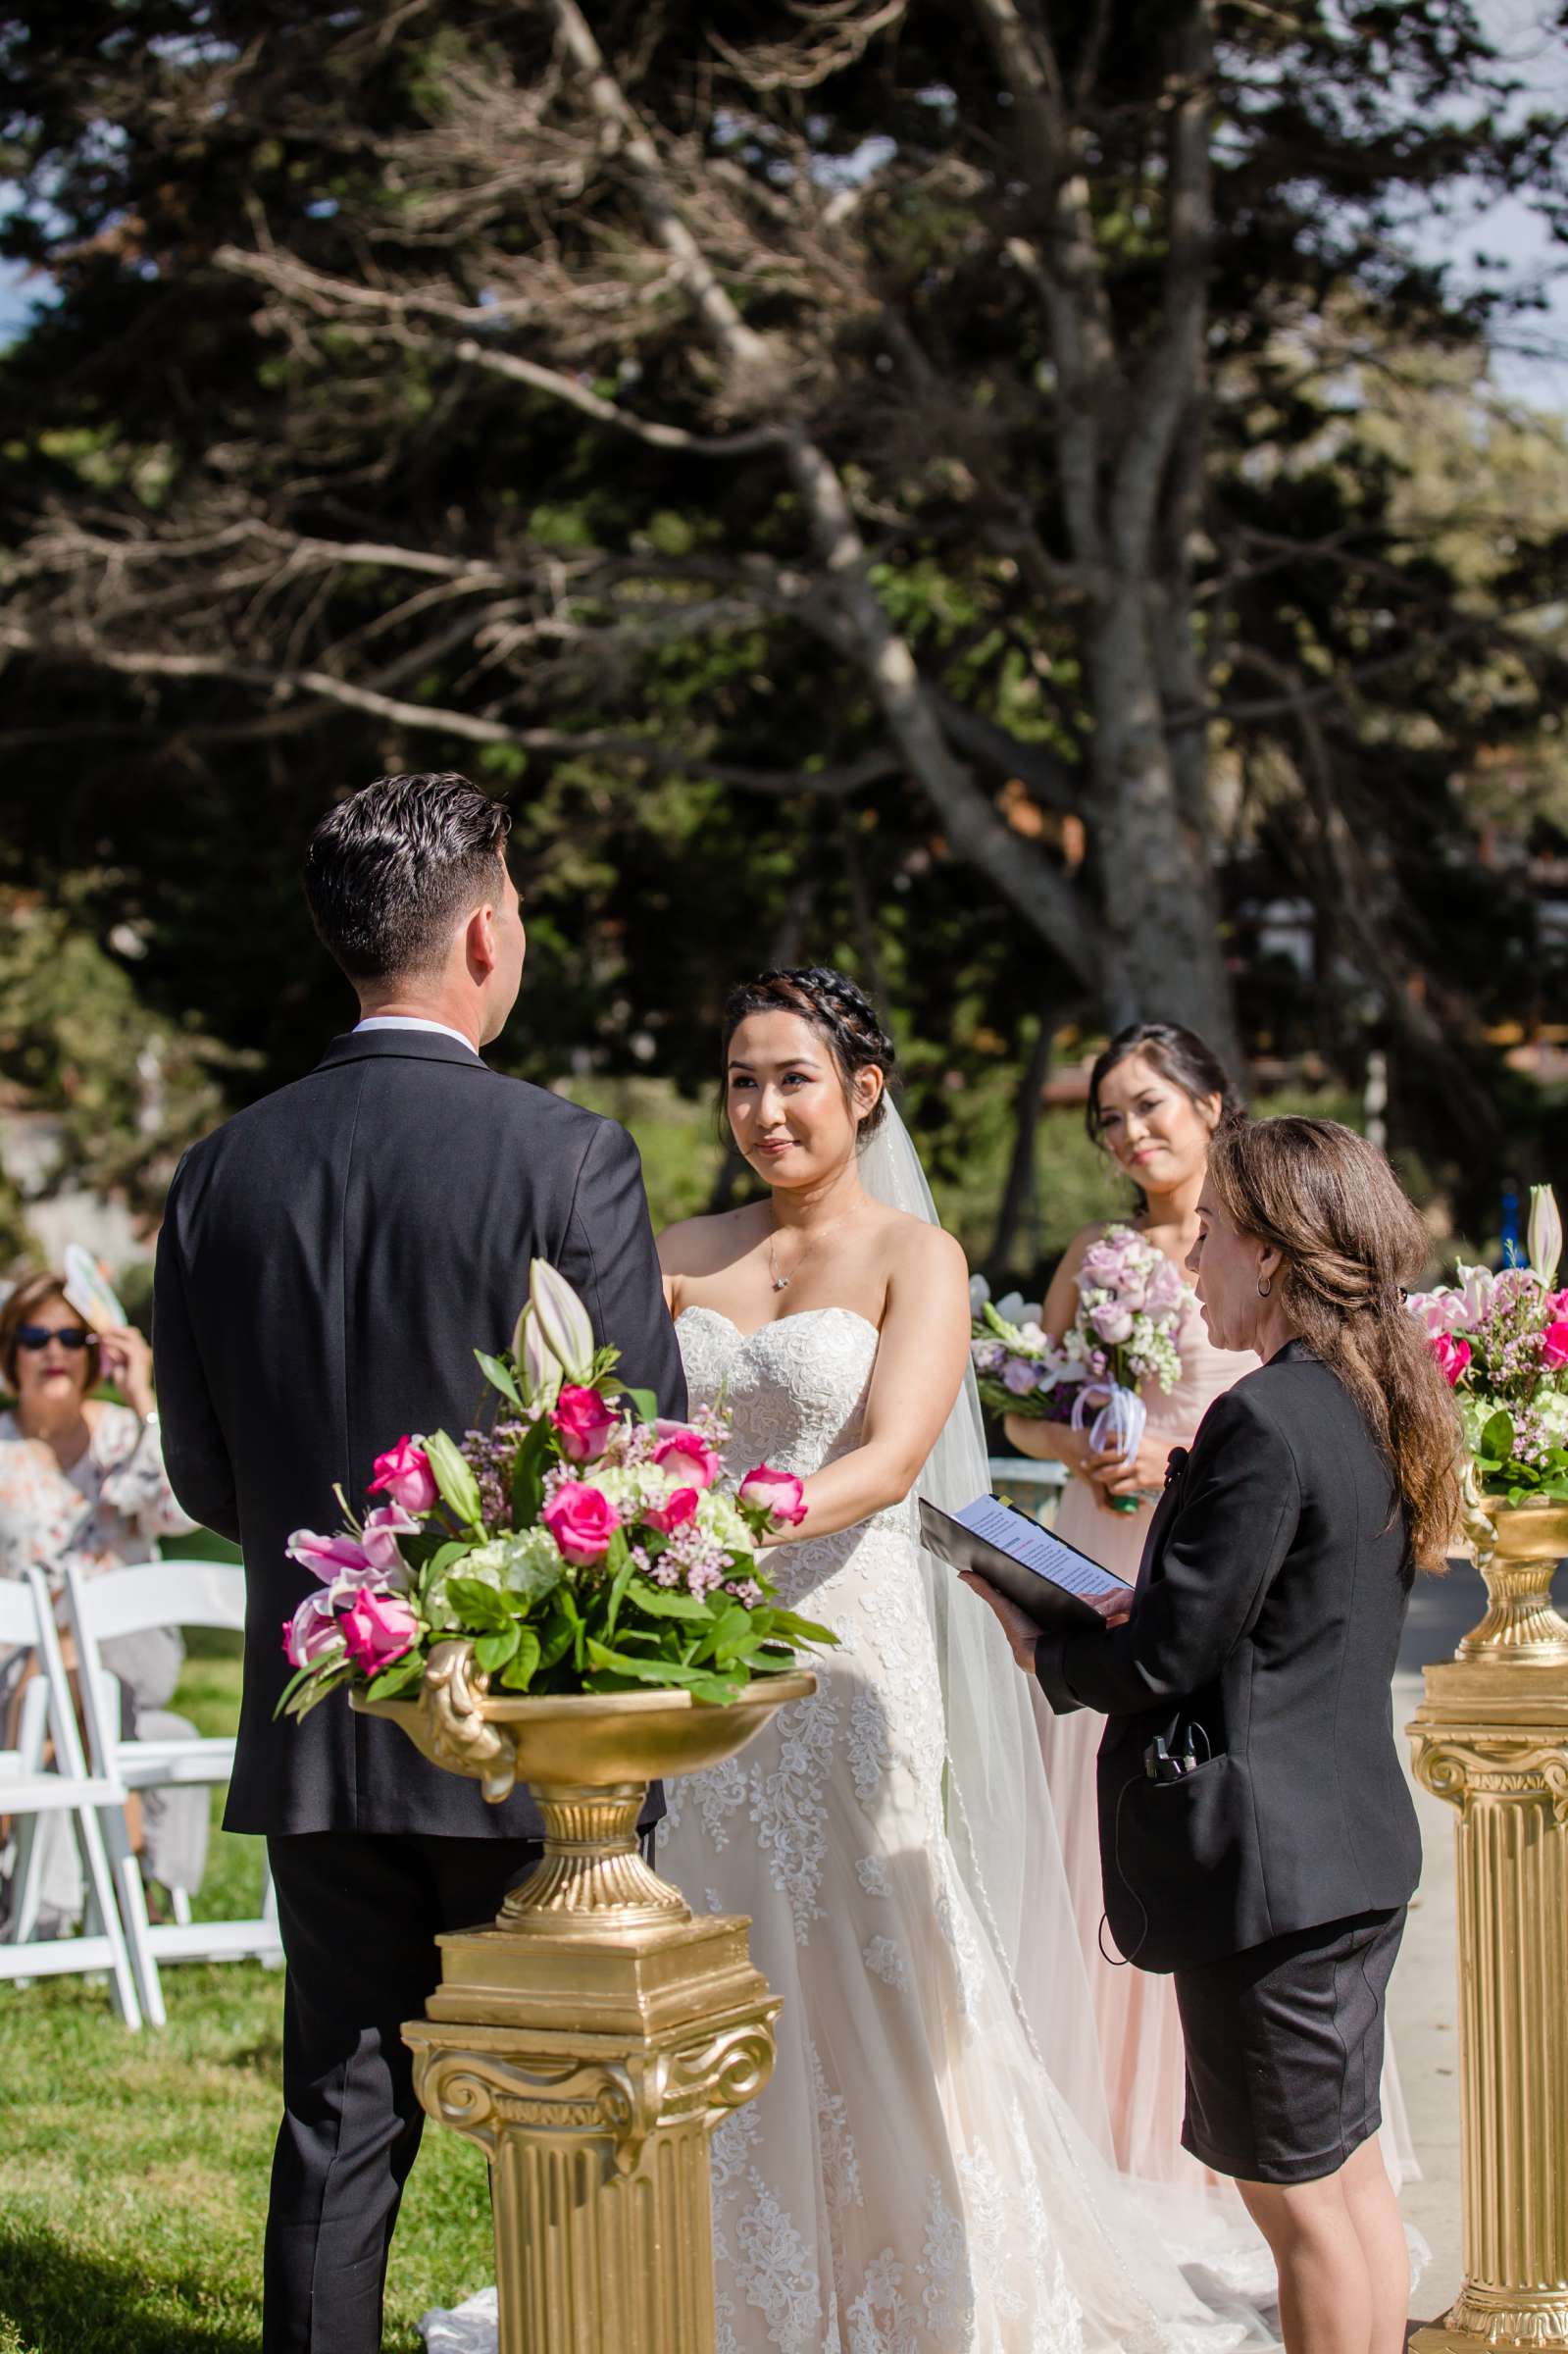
(1265,1286)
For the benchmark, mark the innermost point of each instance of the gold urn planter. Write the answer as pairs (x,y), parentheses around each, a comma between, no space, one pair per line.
(1491,1738)
(591,2037)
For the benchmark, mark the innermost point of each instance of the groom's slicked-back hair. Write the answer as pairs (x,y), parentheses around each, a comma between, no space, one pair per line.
(392,869)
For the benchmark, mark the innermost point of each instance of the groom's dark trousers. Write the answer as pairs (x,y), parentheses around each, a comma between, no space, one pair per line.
(329,1261)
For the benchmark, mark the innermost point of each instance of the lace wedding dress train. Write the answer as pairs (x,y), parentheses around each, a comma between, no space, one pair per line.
(910,2181)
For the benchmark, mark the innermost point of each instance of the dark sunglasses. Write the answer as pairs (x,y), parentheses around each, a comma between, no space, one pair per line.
(38,1336)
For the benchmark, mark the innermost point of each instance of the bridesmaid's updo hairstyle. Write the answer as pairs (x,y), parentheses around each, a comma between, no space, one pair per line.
(1180,1055)
(1349,1241)
(841,1015)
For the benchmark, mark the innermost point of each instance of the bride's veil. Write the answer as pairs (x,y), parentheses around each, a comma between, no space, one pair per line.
(1000,1821)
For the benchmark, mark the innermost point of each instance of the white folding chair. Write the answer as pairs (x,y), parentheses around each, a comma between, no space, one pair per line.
(94,1805)
(126,1602)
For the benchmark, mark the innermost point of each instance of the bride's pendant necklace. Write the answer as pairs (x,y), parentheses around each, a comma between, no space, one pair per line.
(782,1283)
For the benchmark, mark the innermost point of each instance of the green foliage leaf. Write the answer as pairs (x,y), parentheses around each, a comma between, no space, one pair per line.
(646,1404)
(714,1688)
(480,1605)
(533,1459)
(554,1641)
(1497,1435)
(494,1651)
(525,1664)
(401,1676)
(440,1560)
(660,1601)
(499,1377)
(623,1570)
(795,1629)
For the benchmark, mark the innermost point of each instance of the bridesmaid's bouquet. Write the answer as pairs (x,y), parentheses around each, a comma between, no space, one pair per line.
(1122,1338)
(1018,1368)
(581,1543)
(1501,1341)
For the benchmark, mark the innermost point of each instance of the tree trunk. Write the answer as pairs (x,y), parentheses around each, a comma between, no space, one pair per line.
(1163,960)
(1018,1195)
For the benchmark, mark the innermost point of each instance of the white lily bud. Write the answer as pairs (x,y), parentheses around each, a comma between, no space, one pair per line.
(1545,1233)
(560,1319)
(539,1373)
(979,1294)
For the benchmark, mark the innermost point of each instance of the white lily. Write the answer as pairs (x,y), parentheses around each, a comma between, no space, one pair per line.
(979,1294)
(1545,1233)
(1016,1309)
(538,1371)
(1480,1286)
(561,1320)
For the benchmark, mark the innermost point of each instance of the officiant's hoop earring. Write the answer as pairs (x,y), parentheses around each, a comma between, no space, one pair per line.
(1265,1287)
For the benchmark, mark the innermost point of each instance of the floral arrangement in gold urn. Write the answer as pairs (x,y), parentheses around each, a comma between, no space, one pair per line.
(578,1542)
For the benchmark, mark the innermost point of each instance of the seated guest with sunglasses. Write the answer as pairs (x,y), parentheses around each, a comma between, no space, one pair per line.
(82,1480)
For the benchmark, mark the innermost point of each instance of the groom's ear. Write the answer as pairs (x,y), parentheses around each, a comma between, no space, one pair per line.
(482,951)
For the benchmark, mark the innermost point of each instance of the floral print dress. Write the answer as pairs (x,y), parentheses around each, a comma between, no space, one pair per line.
(105,1512)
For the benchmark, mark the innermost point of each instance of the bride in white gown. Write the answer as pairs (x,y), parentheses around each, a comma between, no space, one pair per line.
(927,2171)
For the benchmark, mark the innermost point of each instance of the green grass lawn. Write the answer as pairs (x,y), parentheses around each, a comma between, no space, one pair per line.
(133,2168)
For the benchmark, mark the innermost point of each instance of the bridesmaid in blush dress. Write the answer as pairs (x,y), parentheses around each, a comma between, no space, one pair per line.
(1156,1096)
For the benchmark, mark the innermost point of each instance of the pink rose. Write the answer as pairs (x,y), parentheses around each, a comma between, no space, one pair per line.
(584,1422)
(312,1630)
(582,1520)
(688,1455)
(677,1507)
(1113,1322)
(377,1630)
(1554,1344)
(404,1474)
(777,1492)
(1452,1355)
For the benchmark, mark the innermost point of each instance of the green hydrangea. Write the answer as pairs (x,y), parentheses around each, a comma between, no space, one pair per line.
(527,1562)
(718,1515)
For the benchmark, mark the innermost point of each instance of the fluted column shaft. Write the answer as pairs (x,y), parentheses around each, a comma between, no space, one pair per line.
(1491,1738)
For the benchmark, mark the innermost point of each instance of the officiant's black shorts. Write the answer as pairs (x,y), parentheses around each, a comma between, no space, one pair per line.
(1285,2049)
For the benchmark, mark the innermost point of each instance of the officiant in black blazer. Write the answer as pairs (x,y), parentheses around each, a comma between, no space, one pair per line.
(329,1261)
(1257,1836)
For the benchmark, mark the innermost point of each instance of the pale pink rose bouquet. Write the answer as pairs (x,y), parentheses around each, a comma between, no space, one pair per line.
(582,1543)
(1129,1298)
(1501,1342)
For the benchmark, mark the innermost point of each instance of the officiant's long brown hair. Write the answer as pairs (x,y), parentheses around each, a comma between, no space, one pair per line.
(1351,1241)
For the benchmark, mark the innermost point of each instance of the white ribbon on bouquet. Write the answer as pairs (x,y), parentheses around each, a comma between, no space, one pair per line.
(1120,1418)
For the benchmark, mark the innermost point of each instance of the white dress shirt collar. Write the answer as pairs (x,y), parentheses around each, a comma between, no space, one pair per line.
(412,1021)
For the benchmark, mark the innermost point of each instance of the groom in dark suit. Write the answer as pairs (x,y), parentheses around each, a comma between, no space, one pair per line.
(329,1261)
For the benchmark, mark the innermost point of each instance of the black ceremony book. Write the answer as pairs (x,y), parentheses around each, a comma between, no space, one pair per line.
(1044,1576)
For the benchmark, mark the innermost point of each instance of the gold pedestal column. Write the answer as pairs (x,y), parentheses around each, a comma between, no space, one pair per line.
(1492,1737)
(593,2036)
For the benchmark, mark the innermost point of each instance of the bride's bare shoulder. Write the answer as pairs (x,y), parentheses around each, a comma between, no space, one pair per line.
(706,1246)
(914,1247)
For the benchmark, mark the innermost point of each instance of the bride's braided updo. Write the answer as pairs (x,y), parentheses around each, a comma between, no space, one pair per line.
(842,1014)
